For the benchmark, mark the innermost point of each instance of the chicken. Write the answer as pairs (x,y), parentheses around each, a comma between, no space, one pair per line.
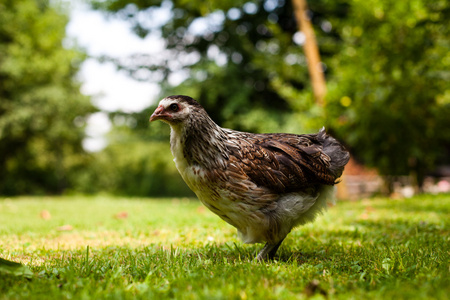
(262,184)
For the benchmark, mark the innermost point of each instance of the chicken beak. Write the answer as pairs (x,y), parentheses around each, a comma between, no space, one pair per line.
(158,114)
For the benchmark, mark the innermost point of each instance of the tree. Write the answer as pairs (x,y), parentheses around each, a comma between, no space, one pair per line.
(42,112)
(242,59)
(311,51)
(390,96)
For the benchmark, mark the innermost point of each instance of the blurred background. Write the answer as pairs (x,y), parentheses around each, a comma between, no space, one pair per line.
(79,80)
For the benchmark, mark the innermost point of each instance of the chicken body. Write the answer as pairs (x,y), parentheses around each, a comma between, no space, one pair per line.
(262,184)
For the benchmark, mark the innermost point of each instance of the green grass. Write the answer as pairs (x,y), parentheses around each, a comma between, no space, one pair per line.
(371,249)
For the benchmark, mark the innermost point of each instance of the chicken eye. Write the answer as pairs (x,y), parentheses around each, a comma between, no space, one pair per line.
(174,107)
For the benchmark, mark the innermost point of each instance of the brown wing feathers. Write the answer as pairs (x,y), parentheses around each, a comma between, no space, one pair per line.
(282,163)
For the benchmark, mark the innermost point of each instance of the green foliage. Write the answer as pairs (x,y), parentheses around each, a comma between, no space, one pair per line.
(41,108)
(136,162)
(240,66)
(379,249)
(134,168)
(389,98)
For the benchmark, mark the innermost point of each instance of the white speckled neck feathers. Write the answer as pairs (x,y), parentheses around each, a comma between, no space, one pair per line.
(201,142)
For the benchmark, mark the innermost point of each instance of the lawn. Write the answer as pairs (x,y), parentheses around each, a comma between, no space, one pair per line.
(121,248)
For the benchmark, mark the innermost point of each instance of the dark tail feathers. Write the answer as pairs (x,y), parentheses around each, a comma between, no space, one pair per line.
(338,154)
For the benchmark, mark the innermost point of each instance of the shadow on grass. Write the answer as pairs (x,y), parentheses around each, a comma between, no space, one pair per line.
(233,252)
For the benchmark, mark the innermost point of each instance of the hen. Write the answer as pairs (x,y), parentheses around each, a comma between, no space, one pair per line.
(262,184)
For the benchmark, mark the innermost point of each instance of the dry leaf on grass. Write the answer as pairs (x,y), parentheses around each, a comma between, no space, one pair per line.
(121,215)
(45,214)
(66,227)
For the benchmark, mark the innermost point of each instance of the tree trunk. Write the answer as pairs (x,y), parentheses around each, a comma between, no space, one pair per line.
(417,174)
(311,51)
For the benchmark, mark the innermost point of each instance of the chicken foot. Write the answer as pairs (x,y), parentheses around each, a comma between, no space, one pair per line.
(268,251)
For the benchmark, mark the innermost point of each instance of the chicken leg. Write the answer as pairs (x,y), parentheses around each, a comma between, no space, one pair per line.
(268,251)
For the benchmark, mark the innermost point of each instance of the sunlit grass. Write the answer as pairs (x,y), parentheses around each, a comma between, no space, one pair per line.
(122,248)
